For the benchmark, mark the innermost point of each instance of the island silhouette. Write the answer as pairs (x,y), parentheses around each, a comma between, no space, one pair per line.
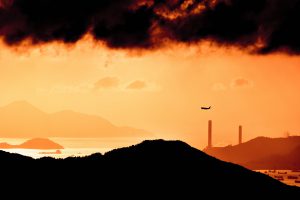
(36,143)
(33,122)
(262,153)
(152,169)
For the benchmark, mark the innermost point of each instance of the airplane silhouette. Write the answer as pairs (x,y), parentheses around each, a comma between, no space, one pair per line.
(205,108)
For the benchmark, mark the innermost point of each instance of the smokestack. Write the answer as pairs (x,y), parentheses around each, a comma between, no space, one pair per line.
(240,134)
(209,134)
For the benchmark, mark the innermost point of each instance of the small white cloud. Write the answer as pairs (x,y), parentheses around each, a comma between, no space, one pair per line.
(107,83)
(137,85)
(241,82)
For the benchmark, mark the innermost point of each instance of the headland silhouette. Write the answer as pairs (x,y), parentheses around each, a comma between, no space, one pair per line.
(36,143)
(262,153)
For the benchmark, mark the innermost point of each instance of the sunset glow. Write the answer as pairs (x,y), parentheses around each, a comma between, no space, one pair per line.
(160,97)
(258,92)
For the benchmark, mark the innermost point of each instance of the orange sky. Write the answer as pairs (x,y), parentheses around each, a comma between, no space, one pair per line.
(160,91)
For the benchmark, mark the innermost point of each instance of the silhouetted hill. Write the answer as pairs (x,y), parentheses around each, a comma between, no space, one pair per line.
(36,143)
(287,161)
(23,120)
(153,169)
(7,159)
(259,149)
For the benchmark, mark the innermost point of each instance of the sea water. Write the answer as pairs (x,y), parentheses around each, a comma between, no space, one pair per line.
(289,177)
(73,146)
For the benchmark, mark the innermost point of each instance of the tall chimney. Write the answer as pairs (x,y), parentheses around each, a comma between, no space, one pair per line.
(209,134)
(240,134)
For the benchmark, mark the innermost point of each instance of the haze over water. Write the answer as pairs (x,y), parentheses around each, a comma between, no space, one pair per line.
(74,146)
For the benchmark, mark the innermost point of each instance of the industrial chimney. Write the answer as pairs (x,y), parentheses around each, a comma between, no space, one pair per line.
(240,134)
(209,134)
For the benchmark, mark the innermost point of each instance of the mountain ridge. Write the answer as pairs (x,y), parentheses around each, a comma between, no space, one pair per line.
(21,119)
(259,152)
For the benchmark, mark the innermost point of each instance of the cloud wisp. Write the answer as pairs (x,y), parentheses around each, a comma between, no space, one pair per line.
(137,85)
(107,83)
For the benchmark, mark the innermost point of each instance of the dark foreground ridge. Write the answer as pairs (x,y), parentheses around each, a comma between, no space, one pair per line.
(150,169)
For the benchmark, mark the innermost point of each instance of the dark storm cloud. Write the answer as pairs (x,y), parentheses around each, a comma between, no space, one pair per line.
(257,26)
(116,22)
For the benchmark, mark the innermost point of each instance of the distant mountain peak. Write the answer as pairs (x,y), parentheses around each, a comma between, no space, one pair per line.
(20,103)
(22,119)
(22,106)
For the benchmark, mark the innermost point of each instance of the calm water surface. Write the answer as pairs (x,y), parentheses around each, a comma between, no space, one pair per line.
(74,146)
(288,177)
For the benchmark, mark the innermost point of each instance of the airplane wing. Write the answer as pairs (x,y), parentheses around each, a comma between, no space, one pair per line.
(205,108)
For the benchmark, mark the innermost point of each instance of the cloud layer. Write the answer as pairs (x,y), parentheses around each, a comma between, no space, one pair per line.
(236,83)
(257,26)
(137,85)
(107,82)
(241,83)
